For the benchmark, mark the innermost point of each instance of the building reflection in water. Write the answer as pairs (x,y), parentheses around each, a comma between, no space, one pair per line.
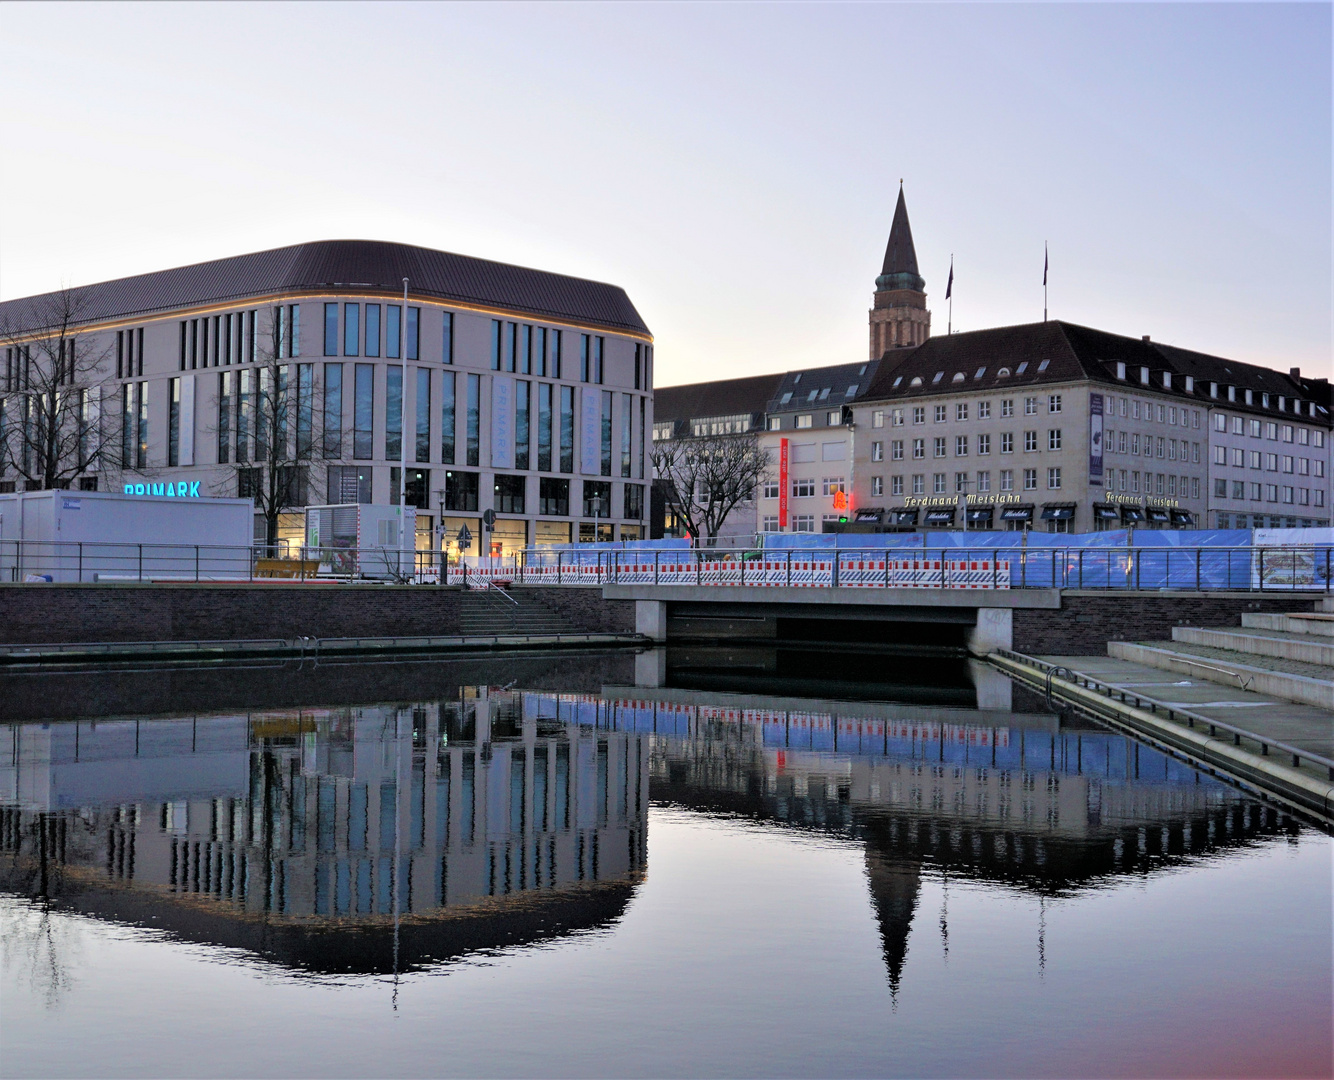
(381,839)
(355,840)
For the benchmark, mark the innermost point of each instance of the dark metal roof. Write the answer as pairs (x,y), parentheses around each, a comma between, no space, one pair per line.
(726,397)
(1068,352)
(830,385)
(339,266)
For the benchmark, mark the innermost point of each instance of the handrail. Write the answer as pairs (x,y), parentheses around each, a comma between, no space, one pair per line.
(1192,718)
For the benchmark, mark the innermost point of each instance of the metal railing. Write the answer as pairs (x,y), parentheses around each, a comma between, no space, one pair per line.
(1172,712)
(1300,569)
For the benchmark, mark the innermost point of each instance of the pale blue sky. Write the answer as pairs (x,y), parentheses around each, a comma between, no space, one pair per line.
(734,167)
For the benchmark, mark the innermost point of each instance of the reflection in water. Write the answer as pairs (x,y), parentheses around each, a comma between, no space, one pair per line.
(356,840)
(381,839)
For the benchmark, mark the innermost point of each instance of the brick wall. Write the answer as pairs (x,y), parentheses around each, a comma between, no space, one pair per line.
(1087,621)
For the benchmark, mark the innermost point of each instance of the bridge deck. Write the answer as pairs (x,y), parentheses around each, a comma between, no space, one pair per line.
(838,596)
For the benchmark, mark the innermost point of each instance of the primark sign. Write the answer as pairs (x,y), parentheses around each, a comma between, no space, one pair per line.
(183,489)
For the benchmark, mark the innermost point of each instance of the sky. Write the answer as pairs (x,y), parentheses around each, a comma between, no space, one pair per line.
(733,166)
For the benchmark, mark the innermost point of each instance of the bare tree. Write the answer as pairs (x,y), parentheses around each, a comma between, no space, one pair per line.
(708,477)
(51,425)
(272,425)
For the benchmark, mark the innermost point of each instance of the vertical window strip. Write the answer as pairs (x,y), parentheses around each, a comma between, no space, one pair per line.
(224,416)
(351,329)
(627,422)
(423,412)
(414,337)
(567,429)
(173,422)
(393,412)
(495,344)
(305,410)
(544,427)
(393,325)
(333,414)
(447,339)
(473,431)
(605,469)
(363,405)
(372,329)
(447,387)
(556,354)
(599,344)
(141,451)
(294,328)
(583,357)
(522,401)
(511,346)
(330,329)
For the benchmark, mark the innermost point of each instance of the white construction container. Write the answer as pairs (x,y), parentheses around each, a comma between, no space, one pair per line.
(108,536)
(362,539)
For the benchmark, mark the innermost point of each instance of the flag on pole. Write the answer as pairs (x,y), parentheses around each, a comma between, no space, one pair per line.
(949,286)
(1044,264)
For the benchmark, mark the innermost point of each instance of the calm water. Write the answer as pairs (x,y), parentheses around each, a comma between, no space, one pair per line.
(537,867)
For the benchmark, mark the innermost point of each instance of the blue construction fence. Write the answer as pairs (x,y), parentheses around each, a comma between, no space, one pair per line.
(1119,558)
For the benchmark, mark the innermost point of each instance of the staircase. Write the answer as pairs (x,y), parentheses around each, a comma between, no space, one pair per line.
(493,611)
(1285,656)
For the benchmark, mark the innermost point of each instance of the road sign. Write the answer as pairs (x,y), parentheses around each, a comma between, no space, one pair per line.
(464,538)
(488,518)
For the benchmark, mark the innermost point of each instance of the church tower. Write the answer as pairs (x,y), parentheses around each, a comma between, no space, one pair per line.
(899,316)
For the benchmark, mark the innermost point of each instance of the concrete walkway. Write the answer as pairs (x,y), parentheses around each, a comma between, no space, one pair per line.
(1303,726)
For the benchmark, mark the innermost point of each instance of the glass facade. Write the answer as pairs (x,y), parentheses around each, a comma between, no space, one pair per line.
(363,412)
(423,411)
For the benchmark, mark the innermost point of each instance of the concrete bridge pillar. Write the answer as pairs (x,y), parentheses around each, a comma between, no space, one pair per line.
(994,630)
(651,619)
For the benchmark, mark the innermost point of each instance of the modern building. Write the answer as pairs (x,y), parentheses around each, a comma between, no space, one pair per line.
(502,388)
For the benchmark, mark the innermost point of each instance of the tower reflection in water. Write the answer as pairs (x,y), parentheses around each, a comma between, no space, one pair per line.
(348,840)
(377,839)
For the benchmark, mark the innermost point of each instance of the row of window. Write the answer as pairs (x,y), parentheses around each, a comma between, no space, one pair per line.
(376,332)
(1129,442)
(962,411)
(257,404)
(1186,487)
(1242,489)
(223,340)
(510,495)
(964,484)
(1268,429)
(1239,458)
(940,445)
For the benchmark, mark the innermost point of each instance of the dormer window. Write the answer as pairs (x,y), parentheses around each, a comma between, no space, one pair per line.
(1120,369)
(1021,368)
(1282,404)
(1190,384)
(938,376)
(1213,390)
(1003,373)
(785,398)
(1250,397)
(1167,380)
(1264,400)
(1043,366)
(897,380)
(916,381)
(861,370)
(958,377)
(852,391)
(824,393)
(980,372)
(796,378)
(1144,376)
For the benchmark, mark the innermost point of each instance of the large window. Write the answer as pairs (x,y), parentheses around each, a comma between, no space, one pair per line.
(393,315)
(372,329)
(305,409)
(447,417)
(497,328)
(567,429)
(634,501)
(627,423)
(333,410)
(509,494)
(423,410)
(141,451)
(393,412)
(351,328)
(472,432)
(554,370)
(522,399)
(525,364)
(349,484)
(224,416)
(606,433)
(544,427)
(330,330)
(414,335)
(447,339)
(245,412)
(597,499)
(460,490)
(363,412)
(173,421)
(553,497)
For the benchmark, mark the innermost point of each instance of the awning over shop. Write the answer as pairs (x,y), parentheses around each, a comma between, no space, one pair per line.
(1105,512)
(1131,513)
(1158,513)
(1058,512)
(904,517)
(980,515)
(940,517)
(1183,518)
(871,515)
(1017,513)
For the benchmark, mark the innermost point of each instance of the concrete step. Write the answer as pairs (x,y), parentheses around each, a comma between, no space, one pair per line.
(1315,688)
(1317,624)
(1327,604)
(1300,647)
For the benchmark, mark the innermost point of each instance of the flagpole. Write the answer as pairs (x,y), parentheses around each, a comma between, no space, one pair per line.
(1044,281)
(949,328)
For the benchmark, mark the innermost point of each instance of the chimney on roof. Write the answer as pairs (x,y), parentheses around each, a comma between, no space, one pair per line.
(1145,338)
(1296,372)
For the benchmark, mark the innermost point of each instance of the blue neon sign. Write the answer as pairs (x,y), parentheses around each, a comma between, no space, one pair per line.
(184,489)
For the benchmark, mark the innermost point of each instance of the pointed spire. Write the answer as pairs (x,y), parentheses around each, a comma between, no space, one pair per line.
(900,268)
